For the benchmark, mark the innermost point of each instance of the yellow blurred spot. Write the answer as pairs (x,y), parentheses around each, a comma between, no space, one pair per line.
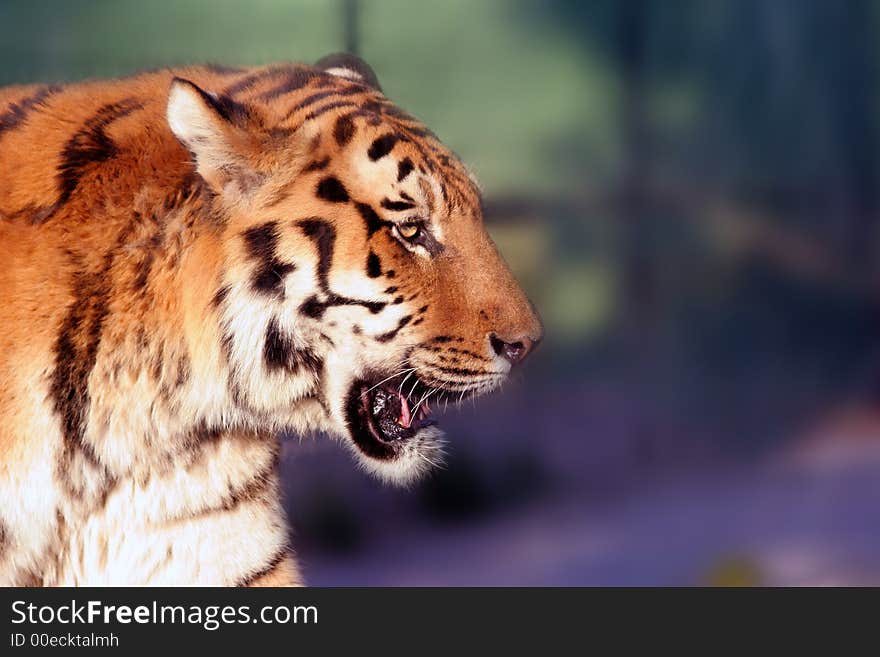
(524,247)
(579,301)
(734,571)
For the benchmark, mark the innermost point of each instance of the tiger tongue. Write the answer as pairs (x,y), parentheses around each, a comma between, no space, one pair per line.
(405,419)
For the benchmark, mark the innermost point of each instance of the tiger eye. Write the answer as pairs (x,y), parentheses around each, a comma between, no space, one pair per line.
(408,231)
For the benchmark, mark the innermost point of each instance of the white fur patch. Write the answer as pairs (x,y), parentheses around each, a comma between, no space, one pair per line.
(344,72)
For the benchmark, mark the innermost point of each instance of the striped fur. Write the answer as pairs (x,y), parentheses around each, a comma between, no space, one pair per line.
(193,260)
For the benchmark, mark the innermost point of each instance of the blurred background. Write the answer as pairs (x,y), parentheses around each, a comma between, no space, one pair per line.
(688,191)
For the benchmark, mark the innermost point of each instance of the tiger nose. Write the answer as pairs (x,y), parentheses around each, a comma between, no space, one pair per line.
(514,350)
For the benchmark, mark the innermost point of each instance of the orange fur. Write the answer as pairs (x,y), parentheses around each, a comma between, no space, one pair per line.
(193,260)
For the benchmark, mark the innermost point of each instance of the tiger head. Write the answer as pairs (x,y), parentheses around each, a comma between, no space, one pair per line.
(359,288)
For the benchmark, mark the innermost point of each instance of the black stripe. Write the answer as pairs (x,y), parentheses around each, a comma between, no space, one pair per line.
(343,129)
(229,109)
(261,241)
(143,272)
(467,352)
(323,234)
(374,266)
(90,145)
(317,165)
(270,278)
(404,168)
(276,347)
(390,335)
(296,79)
(421,131)
(326,108)
(324,237)
(321,95)
(74,363)
(460,370)
(76,350)
(373,221)
(397,206)
(255,488)
(271,565)
(33,214)
(393,110)
(17,112)
(381,146)
(332,190)
(250,80)
(279,352)
(220,296)
(145,266)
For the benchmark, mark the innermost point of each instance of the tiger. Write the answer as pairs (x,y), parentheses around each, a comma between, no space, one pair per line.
(198,260)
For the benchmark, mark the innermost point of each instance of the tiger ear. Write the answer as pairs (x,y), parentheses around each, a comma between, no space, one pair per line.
(351,67)
(214,129)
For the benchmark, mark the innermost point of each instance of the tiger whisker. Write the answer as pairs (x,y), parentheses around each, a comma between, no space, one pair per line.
(410,370)
(400,387)
(424,397)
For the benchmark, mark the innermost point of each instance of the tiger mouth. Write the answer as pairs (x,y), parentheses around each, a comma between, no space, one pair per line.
(383,416)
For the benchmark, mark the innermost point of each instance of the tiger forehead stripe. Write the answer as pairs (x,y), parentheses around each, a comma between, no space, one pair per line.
(381,146)
(252,79)
(374,108)
(404,168)
(343,129)
(314,114)
(313,99)
(396,206)
(296,79)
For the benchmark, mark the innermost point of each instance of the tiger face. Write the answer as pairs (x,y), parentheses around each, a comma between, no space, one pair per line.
(359,289)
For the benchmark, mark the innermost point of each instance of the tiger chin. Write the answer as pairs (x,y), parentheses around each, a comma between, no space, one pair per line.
(199,259)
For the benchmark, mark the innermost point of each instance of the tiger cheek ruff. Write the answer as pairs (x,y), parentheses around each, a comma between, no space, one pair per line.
(197,259)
